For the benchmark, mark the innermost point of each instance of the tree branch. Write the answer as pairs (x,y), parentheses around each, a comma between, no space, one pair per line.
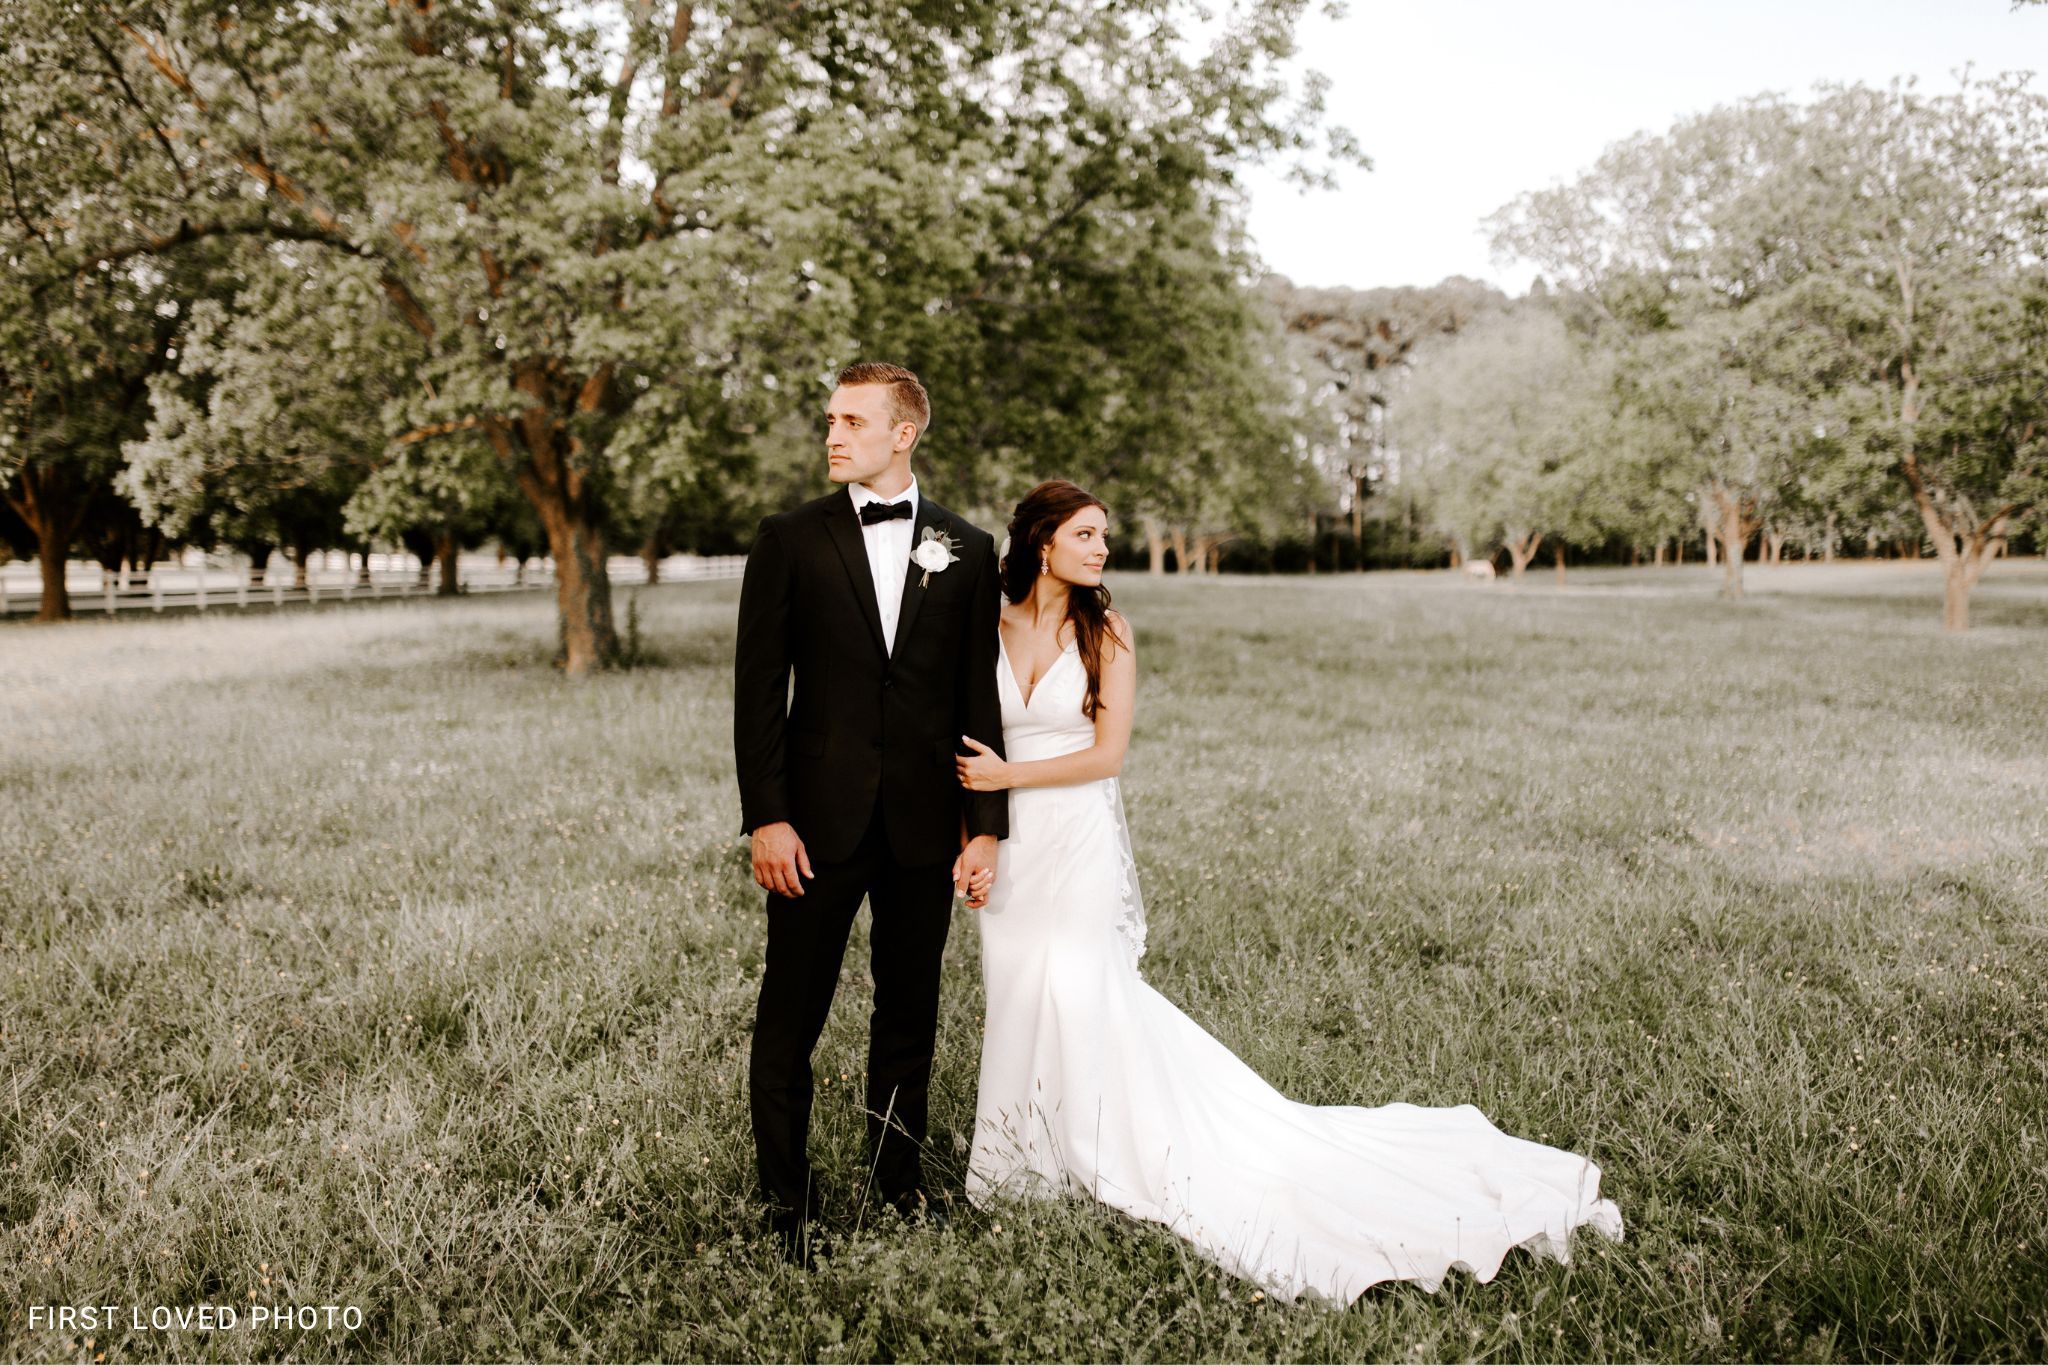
(161,60)
(427,433)
(20,209)
(622,90)
(113,65)
(678,39)
(187,231)
(1082,199)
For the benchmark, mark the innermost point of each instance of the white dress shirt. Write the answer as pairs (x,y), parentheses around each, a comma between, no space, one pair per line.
(888,545)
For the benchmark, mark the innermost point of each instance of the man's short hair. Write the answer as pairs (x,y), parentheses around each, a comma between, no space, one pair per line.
(907,399)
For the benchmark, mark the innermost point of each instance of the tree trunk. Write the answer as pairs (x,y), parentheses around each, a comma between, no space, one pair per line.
(543,453)
(1557,548)
(583,586)
(1155,548)
(1733,529)
(53,547)
(1955,596)
(1827,544)
(420,545)
(451,577)
(52,507)
(1964,558)
(1965,550)
(301,556)
(650,555)
(1179,540)
(1658,560)
(1521,549)
(1776,540)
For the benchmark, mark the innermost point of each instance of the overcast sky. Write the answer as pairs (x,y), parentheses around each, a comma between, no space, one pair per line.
(1463,104)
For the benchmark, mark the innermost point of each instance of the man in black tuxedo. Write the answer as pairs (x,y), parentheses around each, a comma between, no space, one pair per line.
(883,605)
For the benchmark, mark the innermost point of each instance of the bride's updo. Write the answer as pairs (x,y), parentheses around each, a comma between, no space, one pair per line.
(1044,510)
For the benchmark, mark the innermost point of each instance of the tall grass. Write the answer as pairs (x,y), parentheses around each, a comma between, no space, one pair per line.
(356,958)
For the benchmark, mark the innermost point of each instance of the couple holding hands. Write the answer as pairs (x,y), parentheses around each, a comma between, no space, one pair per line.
(956,727)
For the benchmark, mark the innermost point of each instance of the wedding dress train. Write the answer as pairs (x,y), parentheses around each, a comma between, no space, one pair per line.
(1092,1083)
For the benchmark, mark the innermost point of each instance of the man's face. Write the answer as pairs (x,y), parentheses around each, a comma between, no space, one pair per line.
(860,440)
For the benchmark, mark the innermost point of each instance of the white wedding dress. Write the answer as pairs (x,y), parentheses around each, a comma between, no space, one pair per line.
(1094,1084)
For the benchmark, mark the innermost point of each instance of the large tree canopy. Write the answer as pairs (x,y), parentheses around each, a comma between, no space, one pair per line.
(618,237)
(1508,425)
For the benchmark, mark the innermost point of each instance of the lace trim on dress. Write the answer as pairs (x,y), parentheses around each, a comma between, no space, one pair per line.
(1130,914)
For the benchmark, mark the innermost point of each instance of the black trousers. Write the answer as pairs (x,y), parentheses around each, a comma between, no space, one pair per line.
(911,910)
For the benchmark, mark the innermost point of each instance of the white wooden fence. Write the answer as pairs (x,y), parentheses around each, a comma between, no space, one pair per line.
(330,578)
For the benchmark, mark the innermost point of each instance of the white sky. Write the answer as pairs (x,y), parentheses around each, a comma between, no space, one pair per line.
(1464,104)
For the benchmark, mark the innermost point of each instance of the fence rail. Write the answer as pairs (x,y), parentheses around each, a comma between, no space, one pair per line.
(178,587)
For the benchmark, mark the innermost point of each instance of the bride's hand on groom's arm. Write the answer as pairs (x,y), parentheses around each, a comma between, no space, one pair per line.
(779,858)
(984,770)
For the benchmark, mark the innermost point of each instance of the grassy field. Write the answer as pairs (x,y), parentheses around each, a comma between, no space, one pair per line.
(355,959)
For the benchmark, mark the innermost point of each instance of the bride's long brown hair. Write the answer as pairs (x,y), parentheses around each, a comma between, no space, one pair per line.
(1044,510)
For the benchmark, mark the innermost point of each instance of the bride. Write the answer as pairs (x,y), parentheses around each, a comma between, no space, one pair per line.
(1093,1083)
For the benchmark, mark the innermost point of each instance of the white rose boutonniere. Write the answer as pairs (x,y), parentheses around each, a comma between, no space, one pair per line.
(934,553)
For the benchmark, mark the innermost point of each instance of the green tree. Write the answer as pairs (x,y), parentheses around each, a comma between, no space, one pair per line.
(571,214)
(270,421)
(1355,346)
(1715,420)
(1650,243)
(80,338)
(1923,226)
(1505,426)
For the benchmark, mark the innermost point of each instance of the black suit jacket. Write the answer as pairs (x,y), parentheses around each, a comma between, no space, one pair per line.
(865,724)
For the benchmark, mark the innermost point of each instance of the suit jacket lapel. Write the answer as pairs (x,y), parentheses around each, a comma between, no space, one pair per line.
(913,595)
(843,522)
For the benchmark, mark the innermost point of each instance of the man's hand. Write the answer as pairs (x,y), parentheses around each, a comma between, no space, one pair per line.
(974,871)
(778,857)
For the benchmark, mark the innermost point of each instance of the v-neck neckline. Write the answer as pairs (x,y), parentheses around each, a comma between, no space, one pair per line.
(1024,697)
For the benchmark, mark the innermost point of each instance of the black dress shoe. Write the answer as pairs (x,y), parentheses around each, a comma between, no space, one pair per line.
(917,1206)
(801,1245)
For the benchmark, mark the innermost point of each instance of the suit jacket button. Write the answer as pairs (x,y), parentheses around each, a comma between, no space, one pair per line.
(875,743)
(886,680)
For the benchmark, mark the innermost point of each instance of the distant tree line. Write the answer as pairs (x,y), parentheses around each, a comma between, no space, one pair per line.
(1781,328)
(1785,325)
(573,281)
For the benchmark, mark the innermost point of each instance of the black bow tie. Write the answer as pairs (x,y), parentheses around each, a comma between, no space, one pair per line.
(872,512)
